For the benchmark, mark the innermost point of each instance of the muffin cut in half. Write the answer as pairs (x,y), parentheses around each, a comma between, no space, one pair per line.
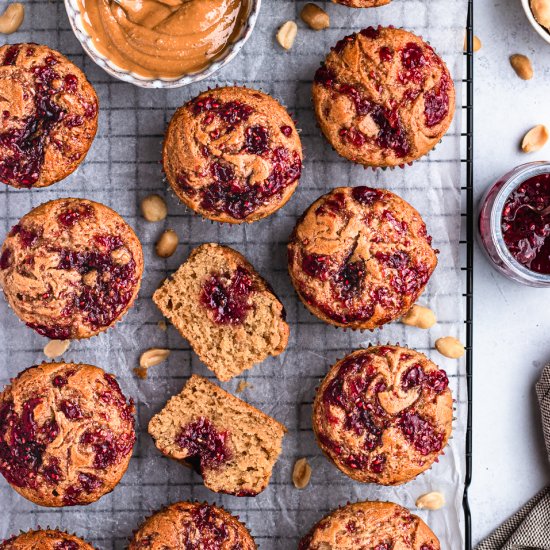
(66,434)
(383,414)
(376,525)
(45,539)
(230,443)
(360,257)
(229,314)
(49,117)
(192,525)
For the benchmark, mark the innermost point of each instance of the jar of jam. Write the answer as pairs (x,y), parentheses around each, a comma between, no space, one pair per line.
(512,228)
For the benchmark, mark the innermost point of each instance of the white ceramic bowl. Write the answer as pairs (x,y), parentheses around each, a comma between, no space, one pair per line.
(543,32)
(75,18)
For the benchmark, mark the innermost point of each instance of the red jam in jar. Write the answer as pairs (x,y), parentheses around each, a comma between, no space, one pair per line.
(525,232)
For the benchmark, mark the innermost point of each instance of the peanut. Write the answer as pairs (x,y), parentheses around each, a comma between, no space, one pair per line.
(301,474)
(167,243)
(56,348)
(154,208)
(315,17)
(431,501)
(419,316)
(449,346)
(522,65)
(287,34)
(541,12)
(476,45)
(153,357)
(12,18)
(534,139)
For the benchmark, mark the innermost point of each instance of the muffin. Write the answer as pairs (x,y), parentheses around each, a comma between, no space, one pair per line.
(362,3)
(229,314)
(192,525)
(45,539)
(71,268)
(383,97)
(232,155)
(383,414)
(233,445)
(377,525)
(360,257)
(49,115)
(66,434)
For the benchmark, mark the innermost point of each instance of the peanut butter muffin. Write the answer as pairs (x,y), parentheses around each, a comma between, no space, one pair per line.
(233,445)
(192,525)
(229,314)
(49,115)
(66,434)
(45,539)
(360,257)
(71,268)
(383,97)
(376,525)
(232,155)
(383,414)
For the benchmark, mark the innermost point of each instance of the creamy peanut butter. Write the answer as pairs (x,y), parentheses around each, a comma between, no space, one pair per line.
(163,38)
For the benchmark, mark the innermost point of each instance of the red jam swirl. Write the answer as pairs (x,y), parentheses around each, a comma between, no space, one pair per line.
(525,232)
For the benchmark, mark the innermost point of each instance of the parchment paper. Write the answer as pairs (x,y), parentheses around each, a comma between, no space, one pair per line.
(123,167)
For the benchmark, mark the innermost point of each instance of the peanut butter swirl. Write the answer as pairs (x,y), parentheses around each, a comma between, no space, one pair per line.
(163,38)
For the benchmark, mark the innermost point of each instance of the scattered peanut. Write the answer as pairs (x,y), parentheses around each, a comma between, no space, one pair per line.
(476,45)
(154,208)
(541,12)
(534,139)
(522,65)
(153,357)
(301,473)
(56,348)
(167,243)
(431,501)
(12,18)
(449,346)
(419,316)
(315,17)
(242,385)
(287,34)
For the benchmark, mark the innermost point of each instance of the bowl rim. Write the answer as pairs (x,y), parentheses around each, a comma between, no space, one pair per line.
(75,18)
(541,31)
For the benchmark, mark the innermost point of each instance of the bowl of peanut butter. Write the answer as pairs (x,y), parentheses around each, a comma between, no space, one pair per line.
(162,43)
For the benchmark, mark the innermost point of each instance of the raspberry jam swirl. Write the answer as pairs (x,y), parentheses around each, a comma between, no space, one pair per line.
(377,402)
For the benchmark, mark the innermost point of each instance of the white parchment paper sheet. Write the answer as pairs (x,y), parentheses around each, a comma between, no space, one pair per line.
(123,167)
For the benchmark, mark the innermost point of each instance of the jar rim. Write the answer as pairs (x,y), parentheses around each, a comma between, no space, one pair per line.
(517,177)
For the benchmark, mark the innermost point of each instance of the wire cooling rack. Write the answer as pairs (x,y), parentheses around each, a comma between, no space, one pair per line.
(123,167)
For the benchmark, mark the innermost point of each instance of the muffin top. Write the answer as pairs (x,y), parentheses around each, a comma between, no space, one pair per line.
(377,525)
(360,257)
(192,525)
(66,433)
(232,154)
(71,268)
(47,539)
(383,414)
(383,97)
(49,115)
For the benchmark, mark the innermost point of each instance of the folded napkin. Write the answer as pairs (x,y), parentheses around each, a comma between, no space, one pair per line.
(530,527)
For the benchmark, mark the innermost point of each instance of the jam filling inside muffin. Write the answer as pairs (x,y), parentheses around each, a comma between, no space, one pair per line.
(233,194)
(227,298)
(25,143)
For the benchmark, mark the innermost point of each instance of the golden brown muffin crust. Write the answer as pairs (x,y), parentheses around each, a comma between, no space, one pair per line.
(192,525)
(49,117)
(383,97)
(360,257)
(383,414)
(377,525)
(71,268)
(233,155)
(66,433)
(45,539)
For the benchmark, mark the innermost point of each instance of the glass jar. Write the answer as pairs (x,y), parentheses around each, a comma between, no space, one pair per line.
(491,231)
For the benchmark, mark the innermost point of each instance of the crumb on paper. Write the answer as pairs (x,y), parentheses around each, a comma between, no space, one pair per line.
(141,372)
(242,385)
(163,325)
